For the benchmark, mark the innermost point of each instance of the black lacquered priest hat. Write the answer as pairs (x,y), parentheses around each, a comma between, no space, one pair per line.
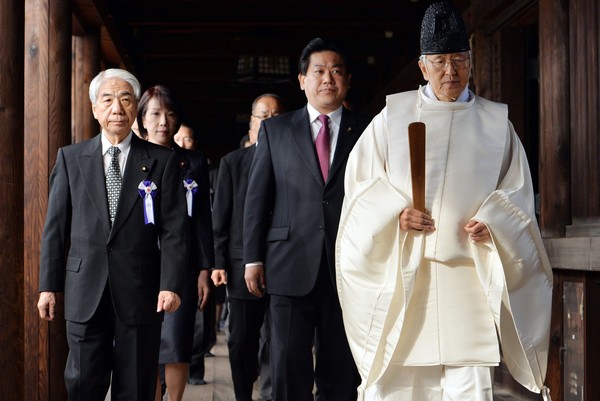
(443,30)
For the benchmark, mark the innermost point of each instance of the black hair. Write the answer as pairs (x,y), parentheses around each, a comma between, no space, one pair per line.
(166,99)
(320,45)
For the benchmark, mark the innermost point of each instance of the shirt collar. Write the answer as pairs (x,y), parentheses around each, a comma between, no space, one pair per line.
(123,145)
(335,116)
(464,96)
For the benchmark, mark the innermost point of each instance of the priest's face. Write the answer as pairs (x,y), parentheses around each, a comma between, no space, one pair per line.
(448,74)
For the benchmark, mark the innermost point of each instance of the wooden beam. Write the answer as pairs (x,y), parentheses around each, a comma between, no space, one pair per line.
(274,12)
(579,253)
(195,45)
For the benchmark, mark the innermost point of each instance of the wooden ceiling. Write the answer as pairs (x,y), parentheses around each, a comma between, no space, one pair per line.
(194,47)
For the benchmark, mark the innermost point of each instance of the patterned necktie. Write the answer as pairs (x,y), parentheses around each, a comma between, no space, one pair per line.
(113,181)
(323,146)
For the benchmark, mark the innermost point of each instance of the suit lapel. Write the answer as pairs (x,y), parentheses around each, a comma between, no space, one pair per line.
(138,168)
(347,137)
(91,166)
(302,137)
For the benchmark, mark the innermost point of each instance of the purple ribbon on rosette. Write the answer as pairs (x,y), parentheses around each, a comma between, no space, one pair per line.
(147,190)
(191,187)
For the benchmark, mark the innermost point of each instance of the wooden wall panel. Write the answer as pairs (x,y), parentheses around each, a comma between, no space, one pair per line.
(11,198)
(46,127)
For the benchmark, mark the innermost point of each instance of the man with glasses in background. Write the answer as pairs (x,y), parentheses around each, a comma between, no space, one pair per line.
(432,298)
(249,332)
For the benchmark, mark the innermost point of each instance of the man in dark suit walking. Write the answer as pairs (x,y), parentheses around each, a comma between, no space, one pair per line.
(291,216)
(116,202)
(246,311)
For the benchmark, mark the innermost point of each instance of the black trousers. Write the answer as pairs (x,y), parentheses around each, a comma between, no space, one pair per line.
(105,347)
(300,325)
(205,337)
(245,320)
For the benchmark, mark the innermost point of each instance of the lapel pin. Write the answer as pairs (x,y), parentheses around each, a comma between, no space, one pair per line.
(182,164)
(349,129)
(144,169)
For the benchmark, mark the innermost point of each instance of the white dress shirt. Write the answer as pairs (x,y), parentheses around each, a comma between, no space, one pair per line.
(123,146)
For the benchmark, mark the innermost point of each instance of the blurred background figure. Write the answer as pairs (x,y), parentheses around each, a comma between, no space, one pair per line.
(206,319)
(185,137)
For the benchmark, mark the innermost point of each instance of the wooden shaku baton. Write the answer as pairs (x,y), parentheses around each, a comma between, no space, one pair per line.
(416,140)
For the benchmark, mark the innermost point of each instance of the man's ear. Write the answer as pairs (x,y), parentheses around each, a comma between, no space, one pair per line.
(424,70)
(301,80)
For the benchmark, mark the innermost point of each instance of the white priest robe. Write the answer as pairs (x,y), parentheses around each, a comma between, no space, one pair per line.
(476,169)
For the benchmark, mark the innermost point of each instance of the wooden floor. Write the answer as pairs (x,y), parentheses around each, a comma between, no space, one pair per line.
(220,388)
(218,376)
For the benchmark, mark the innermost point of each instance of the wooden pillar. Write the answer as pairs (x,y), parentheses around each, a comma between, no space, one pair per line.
(11,199)
(481,50)
(584,29)
(555,148)
(86,65)
(47,108)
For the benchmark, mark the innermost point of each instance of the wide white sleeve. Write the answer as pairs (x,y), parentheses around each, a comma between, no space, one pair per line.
(515,272)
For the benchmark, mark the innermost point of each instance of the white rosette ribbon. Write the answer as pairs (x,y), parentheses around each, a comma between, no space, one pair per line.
(147,190)
(191,187)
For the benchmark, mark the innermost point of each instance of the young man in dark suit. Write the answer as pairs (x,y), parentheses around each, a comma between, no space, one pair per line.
(246,311)
(115,203)
(291,216)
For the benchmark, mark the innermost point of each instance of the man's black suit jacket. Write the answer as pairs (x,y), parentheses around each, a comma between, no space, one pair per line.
(291,216)
(126,255)
(228,212)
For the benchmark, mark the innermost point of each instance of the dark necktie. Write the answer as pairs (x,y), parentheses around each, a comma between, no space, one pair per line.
(323,146)
(113,181)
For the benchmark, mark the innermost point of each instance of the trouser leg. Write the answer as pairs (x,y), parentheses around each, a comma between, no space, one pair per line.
(245,320)
(264,358)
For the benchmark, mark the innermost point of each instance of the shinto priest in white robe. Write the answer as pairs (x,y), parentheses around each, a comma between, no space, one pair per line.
(411,298)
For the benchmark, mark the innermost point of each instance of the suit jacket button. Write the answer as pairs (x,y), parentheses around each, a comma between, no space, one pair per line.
(326,203)
(321,228)
(109,248)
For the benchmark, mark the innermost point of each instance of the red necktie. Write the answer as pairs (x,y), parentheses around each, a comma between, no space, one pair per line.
(323,146)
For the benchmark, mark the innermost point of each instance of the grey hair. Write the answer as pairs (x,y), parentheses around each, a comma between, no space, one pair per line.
(110,74)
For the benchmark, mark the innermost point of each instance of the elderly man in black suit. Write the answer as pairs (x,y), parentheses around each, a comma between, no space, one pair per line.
(246,311)
(291,217)
(115,202)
